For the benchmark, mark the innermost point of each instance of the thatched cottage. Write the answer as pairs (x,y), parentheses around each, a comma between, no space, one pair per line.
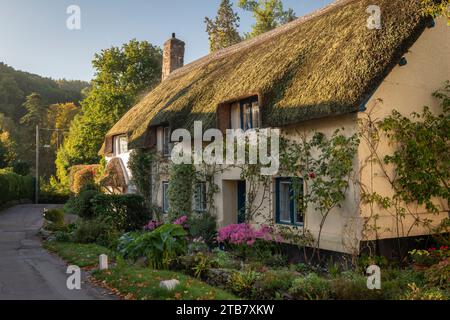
(318,73)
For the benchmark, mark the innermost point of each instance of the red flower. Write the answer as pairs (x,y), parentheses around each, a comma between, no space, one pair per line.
(312,175)
(432,249)
(443,248)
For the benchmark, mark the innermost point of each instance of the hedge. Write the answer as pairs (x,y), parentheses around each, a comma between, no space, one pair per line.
(14,187)
(128,212)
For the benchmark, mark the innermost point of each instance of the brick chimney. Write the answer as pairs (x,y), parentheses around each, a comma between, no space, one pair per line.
(173,56)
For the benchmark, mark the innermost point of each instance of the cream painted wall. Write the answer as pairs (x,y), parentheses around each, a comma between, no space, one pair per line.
(406,89)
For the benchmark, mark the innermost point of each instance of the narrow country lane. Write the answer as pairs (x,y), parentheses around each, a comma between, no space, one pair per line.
(29,272)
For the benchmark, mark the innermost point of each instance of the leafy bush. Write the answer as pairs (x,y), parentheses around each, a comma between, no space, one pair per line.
(225,260)
(242,282)
(54,219)
(352,286)
(311,287)
(81,204)
(203,226)
(128,212)
(417,293)
(439,275)
(394,282)
(14,187)
(273,284)
(82,175)
(21,168)
(99,231)
(180,189)
(160,247)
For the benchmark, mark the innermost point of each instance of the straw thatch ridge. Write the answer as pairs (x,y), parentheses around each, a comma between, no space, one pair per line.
(324,64)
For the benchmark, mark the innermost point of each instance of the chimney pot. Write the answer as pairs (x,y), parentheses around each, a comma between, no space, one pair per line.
(173,35)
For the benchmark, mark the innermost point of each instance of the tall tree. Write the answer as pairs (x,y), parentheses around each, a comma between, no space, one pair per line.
(36,111)
(223,29)
(268,15)
(122,74)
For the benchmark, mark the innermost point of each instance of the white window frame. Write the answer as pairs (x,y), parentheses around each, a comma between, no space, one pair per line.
(118,145)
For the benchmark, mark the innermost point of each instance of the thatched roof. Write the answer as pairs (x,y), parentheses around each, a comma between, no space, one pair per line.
(323,64)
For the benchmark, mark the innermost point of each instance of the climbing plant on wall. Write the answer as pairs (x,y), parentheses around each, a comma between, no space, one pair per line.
(182,178)
(141,164)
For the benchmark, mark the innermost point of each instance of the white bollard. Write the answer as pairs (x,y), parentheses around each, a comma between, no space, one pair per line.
(103,261)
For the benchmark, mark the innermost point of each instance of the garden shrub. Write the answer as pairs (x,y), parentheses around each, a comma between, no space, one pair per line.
(203,226)
(180,190)
(81,204)
(242,282)
(394,282)
(273,284)
(99,231)
(22,168)
(82,175)
(352,286)
(311,287)
(14,187)
(417,293)
(160,246)
(439,275)
(128,211)
(54,219)
(225,260)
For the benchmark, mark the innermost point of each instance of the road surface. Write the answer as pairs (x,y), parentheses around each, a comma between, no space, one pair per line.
(29,272)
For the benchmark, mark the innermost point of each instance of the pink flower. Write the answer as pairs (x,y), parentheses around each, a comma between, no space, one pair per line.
(245,234)
(182,221)
(152,225)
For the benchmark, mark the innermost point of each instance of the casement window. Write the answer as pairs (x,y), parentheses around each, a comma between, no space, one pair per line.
(166,141)
(120,145)
(245,114)
(200,197)
(165,197)
(286,194)
(249,113)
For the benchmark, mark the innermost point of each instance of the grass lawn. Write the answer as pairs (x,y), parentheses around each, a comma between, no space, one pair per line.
(134,282)
(82,255)
(143,284)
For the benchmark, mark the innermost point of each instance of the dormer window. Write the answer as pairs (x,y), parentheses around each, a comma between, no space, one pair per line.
(245,114)
(249,109)
(120,144)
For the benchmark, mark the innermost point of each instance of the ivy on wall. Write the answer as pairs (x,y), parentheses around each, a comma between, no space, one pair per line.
(181,184)
(141,165)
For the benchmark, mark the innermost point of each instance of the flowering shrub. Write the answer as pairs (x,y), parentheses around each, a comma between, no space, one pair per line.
(182,221)
(244,233)
(429,257)
(152,225)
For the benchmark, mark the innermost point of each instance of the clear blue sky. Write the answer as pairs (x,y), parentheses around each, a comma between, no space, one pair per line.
(34,37)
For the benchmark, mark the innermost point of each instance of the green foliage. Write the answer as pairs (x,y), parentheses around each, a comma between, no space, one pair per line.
(325,165)
(417,293)
(121,75)
(223,259)
(128,211)
(352,286)
(99,230)
(21,167)
(140,164)
(14,187)
(311,287)
(422,154)
(160,246)
(223,30)
(81,204)
(181,177)
(202,263)
(439,275)
(53,192)
(273,284)
(268,15)
(55,218)
(242,282)
(436,9)
(203,226)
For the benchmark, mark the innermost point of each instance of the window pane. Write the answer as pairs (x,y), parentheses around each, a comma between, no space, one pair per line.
(200,197)
(255,115)
(123,145)
(246,116)
(165,197)
(285,201)
(166,142)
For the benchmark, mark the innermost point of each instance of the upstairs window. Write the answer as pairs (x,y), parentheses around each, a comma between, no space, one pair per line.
(249,110)
(200,197)
(286,195)
(121,144)
(166,142)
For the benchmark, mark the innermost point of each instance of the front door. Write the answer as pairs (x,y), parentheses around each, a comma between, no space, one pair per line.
(241,199)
